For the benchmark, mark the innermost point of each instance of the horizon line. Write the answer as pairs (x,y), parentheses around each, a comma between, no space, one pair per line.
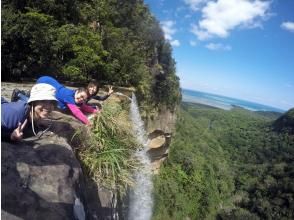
(242,99)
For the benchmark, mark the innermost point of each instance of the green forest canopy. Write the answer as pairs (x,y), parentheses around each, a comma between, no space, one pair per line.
(114,41)
(233,164)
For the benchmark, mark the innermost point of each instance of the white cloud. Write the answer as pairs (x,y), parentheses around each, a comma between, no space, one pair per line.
(222,16)
(169,30)
(195,4)
(213,46)
(289,26)
(193,43)
(201,35)
(175,43)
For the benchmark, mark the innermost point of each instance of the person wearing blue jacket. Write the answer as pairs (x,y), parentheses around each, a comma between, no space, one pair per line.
(16,115)
(74,100)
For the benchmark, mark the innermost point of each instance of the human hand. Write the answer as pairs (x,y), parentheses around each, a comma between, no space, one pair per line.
(89,125)
(17,134)
(98,110)
(110,90)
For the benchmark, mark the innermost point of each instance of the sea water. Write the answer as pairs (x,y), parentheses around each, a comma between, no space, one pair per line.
(224,102)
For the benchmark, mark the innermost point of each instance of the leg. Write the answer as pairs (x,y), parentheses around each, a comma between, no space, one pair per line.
(22,97)
(19,95)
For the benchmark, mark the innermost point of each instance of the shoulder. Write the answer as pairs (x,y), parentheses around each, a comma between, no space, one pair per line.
(14,112)
(49,80)
(66,95)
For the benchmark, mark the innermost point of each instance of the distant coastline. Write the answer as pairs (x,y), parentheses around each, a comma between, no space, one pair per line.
(224,102)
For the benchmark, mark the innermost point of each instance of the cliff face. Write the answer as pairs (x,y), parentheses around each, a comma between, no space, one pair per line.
(164,119)
(42,178)
(160,127)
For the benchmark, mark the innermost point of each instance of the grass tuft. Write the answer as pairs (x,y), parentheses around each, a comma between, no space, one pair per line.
(108,155)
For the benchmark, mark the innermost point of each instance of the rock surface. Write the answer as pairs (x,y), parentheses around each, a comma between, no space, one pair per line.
(164,120)
(40,179)
(159,142)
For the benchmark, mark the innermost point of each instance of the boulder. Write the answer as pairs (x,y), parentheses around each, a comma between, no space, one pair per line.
(158,143)
(40,179)
(156,139)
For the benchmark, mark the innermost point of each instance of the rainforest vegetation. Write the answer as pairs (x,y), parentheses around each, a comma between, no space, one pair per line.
(235,164)
(116,42)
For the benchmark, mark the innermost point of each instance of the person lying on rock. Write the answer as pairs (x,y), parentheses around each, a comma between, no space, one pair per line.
(16,115)
(74,100)
(92,90)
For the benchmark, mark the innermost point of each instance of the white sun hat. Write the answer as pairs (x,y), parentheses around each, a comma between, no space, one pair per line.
(42,91)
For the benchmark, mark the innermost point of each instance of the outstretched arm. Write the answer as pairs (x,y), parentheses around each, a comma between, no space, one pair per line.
(103,98)
(78,113)
(100,98)
(88,108)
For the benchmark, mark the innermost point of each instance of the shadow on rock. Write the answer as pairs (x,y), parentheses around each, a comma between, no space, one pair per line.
(39,181)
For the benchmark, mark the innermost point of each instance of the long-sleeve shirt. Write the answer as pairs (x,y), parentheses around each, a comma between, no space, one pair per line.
(99,98)
(66,99)
(12,113)
(63,95)
(79,114)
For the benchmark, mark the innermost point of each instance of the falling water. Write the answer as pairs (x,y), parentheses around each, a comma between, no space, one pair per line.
(141,195)
(121,94)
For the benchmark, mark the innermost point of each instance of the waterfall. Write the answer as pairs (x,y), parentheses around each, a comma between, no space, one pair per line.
(141,204)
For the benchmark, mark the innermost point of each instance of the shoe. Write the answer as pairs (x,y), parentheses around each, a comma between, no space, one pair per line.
(27,93)
(14,96)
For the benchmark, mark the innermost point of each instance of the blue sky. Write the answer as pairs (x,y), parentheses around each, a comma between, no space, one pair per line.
(237,48)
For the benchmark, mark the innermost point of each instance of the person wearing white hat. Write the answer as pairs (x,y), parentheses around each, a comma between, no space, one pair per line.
(16,115)
(73,100)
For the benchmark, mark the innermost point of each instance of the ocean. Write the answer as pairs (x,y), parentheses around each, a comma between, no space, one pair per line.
(224,102)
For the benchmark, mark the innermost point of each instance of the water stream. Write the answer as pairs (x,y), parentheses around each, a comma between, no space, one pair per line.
(141,202)
(121,94)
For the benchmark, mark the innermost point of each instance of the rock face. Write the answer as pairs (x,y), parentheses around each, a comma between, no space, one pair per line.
(40,179)
(156,139)
(158,144)
(164,120)
(160,128)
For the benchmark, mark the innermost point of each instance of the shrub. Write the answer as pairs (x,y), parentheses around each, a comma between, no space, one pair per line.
(108,156)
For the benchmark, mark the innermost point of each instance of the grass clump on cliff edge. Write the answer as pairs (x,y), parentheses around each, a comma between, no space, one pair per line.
(107,156)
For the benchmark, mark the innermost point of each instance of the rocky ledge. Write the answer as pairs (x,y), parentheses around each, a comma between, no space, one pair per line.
(42,178)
